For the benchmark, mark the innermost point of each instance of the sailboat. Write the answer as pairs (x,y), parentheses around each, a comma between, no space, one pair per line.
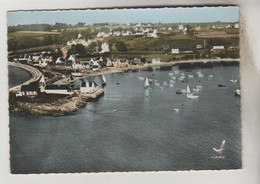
(221,84)
(189,94)
(146,83)
(103,80)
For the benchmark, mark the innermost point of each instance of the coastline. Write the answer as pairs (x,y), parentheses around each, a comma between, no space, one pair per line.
(70,104)
(143,66)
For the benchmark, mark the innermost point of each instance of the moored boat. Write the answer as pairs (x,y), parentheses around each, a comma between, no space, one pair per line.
(146,83)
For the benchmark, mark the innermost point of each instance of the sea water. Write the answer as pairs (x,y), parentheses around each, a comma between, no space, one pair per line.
(135,129)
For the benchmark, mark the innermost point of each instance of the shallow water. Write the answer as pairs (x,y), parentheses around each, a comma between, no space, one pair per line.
(17,76)
(133,129)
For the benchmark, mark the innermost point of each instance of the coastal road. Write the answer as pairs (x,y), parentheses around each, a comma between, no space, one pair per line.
(36,74)
(64,53)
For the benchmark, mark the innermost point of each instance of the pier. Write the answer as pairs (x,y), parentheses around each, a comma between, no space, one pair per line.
(93,95)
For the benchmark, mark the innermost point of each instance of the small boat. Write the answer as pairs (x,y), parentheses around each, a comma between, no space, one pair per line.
(140,78)
(184,80)
(196,90)
(76,74)
(237,92)
(176,110)
(171,85)
(210,76)
(103,80)
(165,83)
(179,91)
(181,78)
(221,85)
(146,83)
(199,87)
(176,72)
(200,75)
(190,95)
(190,76)
(170,74)
(173,78)
(157,84)
(172,81)
(233,81)
(150,80)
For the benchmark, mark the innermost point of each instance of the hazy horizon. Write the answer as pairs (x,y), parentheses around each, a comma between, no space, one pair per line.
(124,16)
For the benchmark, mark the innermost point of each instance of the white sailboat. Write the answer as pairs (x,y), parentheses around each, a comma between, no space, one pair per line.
(190,95)
(146,83)
(104,80)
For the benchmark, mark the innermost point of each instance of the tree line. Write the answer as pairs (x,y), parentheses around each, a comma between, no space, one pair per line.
(43,27)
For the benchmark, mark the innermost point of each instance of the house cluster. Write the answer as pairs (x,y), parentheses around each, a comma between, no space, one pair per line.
(227,26)
(35,60)
(149,32)
(72,62)
(84,86)
(182,29)
(79,40)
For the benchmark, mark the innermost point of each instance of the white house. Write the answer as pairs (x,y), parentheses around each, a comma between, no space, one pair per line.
(88,86)
(95,66)
(180,27)
(156,60)
(72,58)
(151,34)
(58,61)
(236,26)
(169,29)
(104,47)
(175,51)
(218,47)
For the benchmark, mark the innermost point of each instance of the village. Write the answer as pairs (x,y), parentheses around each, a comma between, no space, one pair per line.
(56,73)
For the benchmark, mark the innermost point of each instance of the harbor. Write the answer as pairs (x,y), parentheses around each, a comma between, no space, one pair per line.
(130,128)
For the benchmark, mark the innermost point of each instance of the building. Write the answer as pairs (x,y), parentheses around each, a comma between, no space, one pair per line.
(104,47)
(218,47)
(156,60)
(89,86)
(197,28)
(95,66)
(72,58)
(236,26)
(180,27)
(175,51)
(58,89)
(151,34)
(31,89)
(198,46)
(58,61)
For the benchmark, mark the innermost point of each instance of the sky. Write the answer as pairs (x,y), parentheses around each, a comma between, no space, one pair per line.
(123,16)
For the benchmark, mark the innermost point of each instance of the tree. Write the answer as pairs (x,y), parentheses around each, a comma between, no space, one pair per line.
(121,47)
(77,49)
